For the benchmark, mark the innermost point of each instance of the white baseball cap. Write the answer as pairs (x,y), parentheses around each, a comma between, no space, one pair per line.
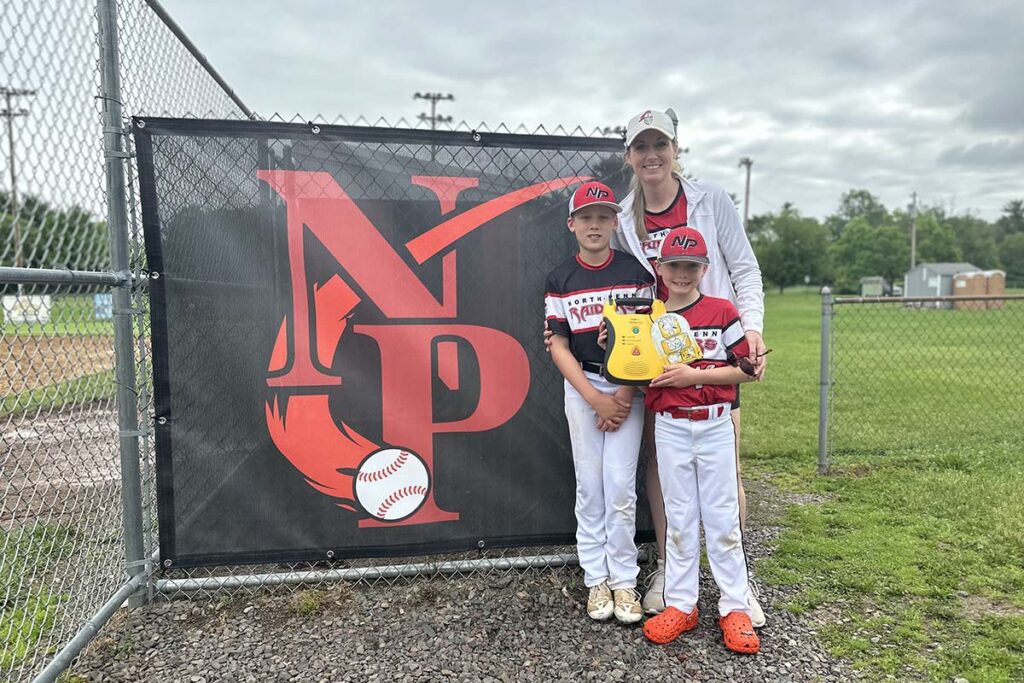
(661,121)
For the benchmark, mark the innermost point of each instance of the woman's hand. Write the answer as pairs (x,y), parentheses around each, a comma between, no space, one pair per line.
(679,376)
(758,349)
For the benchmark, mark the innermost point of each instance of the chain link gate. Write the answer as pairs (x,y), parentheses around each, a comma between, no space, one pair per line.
(919,374)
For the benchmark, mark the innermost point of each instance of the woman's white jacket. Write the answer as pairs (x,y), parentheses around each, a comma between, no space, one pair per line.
(733,272)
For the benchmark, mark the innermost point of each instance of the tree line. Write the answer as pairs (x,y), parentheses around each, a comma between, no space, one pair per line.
(52,237)
(864,238)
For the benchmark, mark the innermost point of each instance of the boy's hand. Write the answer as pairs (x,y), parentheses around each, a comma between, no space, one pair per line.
(547,338)
(626,393)
(611,409)
(679,376)
(602,335)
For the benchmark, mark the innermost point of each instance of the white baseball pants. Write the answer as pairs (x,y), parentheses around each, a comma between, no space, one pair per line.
(697,467)
(605,465)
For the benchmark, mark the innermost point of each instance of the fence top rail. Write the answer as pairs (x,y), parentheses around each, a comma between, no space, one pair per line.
(53,276)
(924,299)
(199,56)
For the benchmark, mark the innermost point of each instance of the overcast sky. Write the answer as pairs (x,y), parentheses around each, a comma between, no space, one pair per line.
(893,96)
(887,95)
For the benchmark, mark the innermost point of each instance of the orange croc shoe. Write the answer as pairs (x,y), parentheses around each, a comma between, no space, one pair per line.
(739,634)
(669,625)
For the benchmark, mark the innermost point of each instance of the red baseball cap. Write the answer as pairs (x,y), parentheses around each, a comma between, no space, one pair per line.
(684,244)
(592,194)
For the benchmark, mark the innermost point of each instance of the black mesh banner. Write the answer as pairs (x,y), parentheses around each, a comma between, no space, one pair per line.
(347,337)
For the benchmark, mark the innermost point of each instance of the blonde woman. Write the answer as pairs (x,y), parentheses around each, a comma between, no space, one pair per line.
(660,200)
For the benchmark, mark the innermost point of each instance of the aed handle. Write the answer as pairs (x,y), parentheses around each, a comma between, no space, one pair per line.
(633,301)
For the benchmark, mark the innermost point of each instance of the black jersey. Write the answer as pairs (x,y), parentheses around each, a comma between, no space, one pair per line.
(574,296)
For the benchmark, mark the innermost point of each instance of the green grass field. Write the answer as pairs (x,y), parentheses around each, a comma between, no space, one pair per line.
(914,564)
(71,314)
(73,342)
(28,611)
(97,386)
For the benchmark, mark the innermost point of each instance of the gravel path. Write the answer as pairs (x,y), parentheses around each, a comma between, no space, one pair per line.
(479,628)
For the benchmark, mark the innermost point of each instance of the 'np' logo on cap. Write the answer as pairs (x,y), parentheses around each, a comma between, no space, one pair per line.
(684,244)
(593,193)
(684,241)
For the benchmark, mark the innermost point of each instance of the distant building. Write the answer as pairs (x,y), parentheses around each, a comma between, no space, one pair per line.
(934,279)
(874,285)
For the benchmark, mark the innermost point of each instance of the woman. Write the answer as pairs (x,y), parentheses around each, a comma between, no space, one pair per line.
(662,199)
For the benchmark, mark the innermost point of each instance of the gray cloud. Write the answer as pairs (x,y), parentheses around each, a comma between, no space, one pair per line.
(895,97)
(996,154)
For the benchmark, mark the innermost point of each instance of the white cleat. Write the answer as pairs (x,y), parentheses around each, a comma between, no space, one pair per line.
(599,603)
(627,606)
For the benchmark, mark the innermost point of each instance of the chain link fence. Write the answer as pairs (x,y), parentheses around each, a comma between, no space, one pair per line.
(75,332)
(62,548)
(904,376)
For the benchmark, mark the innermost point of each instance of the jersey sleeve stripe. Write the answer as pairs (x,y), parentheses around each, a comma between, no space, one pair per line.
(733,334)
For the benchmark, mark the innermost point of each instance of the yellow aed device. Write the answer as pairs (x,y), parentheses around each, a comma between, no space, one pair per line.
(631,356)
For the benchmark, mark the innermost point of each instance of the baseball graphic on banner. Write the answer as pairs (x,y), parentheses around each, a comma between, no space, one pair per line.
(392,483)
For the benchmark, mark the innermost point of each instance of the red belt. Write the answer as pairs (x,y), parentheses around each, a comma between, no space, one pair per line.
(698,412)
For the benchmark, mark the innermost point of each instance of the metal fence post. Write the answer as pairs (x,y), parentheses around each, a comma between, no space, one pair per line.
(825,383)
(124,353)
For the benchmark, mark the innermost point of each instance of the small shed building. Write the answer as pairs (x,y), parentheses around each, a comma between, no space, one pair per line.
(874,285)
(934,279)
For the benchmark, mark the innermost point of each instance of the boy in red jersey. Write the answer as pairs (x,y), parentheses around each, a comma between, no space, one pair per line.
(696,452)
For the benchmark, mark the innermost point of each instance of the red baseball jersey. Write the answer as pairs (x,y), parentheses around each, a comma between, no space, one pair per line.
(715,325)
(658,226)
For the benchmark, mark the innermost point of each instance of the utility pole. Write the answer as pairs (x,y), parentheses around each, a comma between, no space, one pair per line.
(434,118)
(913,230)
(9,113)
(434,98)
(748,162)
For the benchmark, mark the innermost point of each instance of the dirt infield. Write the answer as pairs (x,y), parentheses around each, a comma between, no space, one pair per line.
(32,362)
(60,467)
